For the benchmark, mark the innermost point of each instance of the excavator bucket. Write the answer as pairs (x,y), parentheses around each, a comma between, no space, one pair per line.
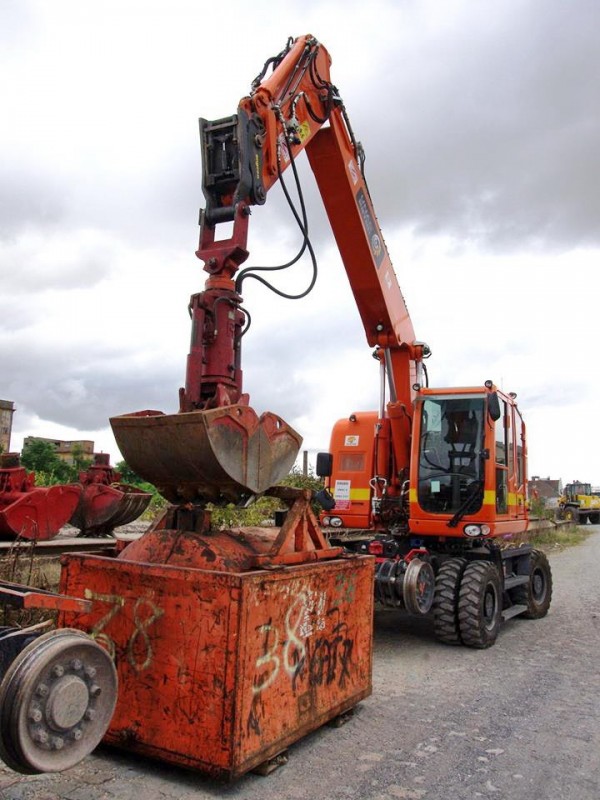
(38,513)
(102,508)
(221,455)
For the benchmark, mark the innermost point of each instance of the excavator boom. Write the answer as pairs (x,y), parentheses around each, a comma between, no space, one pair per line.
(216,448)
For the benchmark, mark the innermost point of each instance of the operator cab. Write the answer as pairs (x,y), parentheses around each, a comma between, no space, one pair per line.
(468,463)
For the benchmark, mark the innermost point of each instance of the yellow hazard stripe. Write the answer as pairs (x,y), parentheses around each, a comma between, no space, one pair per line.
(489,497)
(360,494)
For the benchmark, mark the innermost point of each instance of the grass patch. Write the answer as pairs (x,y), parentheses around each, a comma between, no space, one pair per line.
(22,565)
(560,537)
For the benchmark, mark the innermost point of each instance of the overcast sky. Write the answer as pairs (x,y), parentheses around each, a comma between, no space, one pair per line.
(480,120)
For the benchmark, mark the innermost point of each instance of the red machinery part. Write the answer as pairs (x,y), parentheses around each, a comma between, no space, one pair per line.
(105,502)
(33,512)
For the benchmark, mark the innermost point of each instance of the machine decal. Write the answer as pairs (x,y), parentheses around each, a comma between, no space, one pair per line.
(371,228)
(283,148)
(303,131)
(341,494)
(351,441)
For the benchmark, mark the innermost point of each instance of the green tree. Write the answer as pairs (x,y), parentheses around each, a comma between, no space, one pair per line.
(80,462)
(128,475)
(41,458)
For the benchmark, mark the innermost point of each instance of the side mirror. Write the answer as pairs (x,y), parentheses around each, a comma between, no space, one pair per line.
(494,409)
(324,465)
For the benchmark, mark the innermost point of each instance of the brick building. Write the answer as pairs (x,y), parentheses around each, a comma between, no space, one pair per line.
(7,409)
(545,488)
(64,449)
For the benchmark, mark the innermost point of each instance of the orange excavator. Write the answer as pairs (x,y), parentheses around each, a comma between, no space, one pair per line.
(229,645)
(434,482)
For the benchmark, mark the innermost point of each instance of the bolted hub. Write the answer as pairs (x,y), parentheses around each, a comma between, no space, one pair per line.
(56,701)
(67,703)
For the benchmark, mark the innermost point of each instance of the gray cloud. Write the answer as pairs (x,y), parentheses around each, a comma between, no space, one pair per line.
(491,134)
(480,123)
(29,199)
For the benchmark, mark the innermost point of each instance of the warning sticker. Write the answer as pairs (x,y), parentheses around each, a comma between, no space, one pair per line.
(341,493)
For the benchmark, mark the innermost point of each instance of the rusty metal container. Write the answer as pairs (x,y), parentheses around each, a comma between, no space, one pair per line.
(221,670)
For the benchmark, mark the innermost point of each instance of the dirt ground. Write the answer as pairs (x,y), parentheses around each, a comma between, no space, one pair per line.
(520,721)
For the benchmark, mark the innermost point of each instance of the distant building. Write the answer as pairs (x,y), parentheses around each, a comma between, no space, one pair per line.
(7,409)
(65,449)
(544,488)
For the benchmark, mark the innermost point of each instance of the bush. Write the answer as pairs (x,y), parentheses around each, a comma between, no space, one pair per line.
(537,508)
(232,516)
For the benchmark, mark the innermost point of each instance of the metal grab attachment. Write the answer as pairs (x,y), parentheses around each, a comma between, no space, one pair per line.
(216,448)
(105,502)
(28,511)
(220,455)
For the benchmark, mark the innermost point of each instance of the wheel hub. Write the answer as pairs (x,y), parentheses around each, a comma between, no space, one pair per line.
(56,701)
(419,587)
(538,586)
(67,703)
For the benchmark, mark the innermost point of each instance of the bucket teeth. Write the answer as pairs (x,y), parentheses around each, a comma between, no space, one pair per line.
(221,455)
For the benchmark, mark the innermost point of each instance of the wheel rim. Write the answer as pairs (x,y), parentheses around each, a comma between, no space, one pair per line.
(538,586)
(56,702)
(490,607)
(419,587)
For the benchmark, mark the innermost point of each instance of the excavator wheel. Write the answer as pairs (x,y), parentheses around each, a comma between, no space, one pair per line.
(56,702)
(480,604)
(537,594)
(445,603)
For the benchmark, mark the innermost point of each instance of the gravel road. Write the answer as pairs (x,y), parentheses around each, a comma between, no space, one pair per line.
(520,721)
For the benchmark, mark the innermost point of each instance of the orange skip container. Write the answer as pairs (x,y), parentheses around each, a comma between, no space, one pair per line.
(223,665)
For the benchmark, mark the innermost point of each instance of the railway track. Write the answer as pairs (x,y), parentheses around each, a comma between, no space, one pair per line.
(64,543)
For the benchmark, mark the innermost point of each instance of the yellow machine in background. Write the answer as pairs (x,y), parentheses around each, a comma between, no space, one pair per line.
(579,503)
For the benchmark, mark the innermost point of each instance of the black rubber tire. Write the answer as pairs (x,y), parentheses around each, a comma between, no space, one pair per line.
(571,514)
(537,594)
(480,604)
(445,601)
(595,517)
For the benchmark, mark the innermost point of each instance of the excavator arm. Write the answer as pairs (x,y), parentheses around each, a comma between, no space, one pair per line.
(298,108)
(294,108)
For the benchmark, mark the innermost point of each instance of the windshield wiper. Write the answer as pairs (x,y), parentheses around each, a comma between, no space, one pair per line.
(464,506)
